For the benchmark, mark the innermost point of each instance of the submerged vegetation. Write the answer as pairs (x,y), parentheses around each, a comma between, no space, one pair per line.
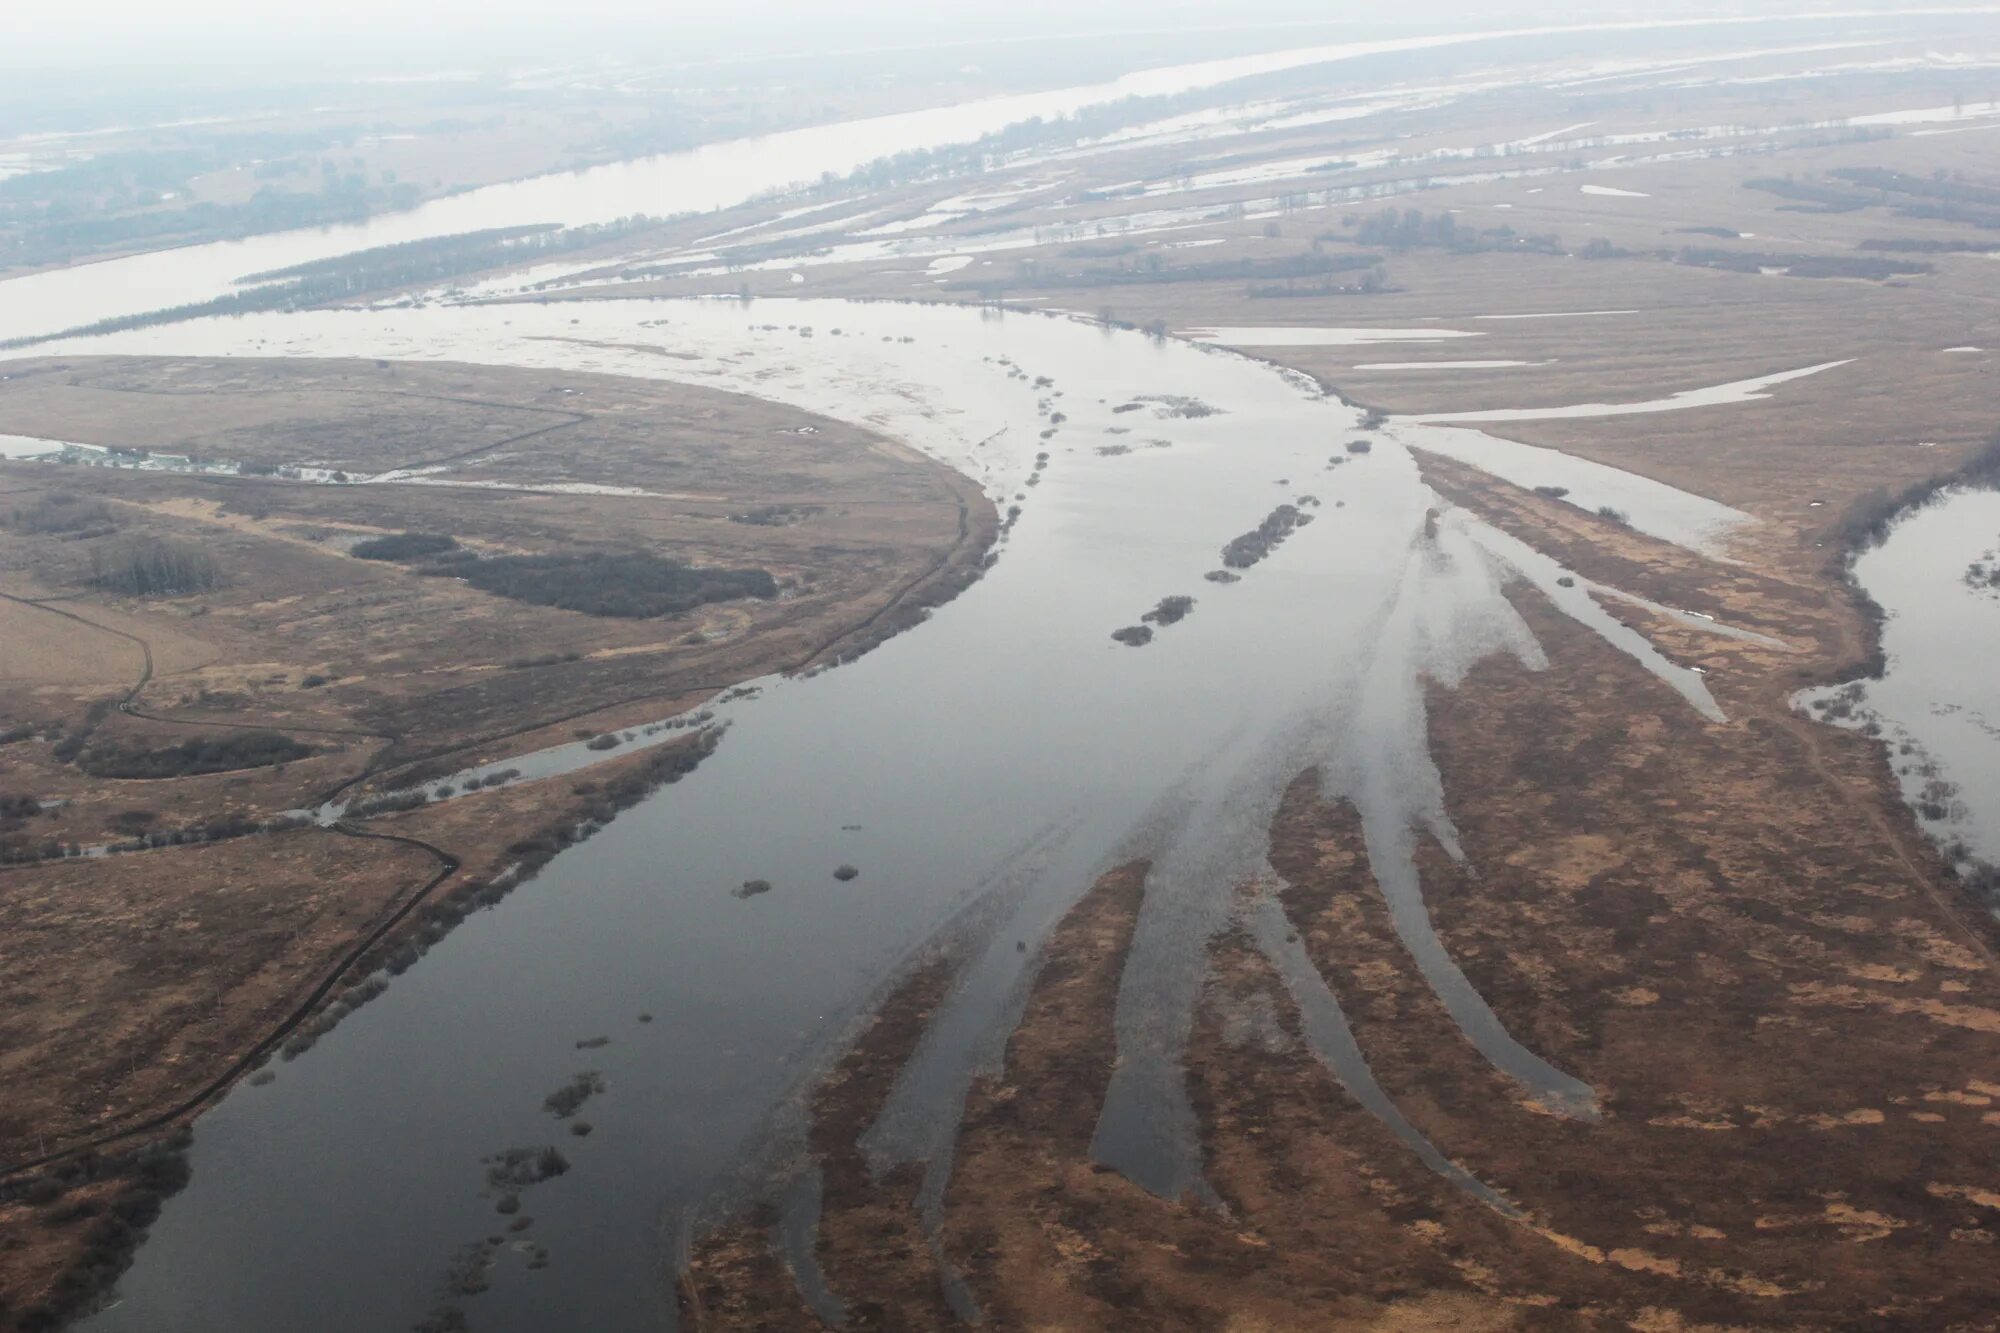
(1401,229)
(567,1100)
(1260,541)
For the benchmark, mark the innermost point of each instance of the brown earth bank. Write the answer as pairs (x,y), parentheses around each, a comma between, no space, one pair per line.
(130,983)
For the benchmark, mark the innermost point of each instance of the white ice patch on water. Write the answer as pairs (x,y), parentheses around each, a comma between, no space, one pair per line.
(1295,336)
(1718,395)
(1560,314)
(1930,115)
(1611,191)
(29,446)
(1651,507)
(1446,365)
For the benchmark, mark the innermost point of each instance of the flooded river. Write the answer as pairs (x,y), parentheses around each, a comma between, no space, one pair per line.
(980,772)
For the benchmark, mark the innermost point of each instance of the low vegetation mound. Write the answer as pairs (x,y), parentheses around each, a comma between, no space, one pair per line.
(567,1100)
(405,546)
(221,753)
(637,585)
(1261,540)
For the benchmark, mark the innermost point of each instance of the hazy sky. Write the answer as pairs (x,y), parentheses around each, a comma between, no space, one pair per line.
(81,33)
(85,32)
(95,18)
(85,22)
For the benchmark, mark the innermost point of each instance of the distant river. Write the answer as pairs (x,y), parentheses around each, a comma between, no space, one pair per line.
(711,177)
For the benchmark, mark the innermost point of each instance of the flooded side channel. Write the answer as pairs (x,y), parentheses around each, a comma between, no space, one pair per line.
(1937,702)
(980,772)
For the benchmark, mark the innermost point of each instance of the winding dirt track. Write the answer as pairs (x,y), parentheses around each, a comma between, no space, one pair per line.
(447,865)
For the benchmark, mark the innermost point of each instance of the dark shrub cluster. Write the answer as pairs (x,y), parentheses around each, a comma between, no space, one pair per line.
(635,585)
(1410,229)
(405,546)
(152,567)
(1261,540)
(1804,265)
(519,1167)
(388,803)
(567,1100)
(776,516)
(221,753)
